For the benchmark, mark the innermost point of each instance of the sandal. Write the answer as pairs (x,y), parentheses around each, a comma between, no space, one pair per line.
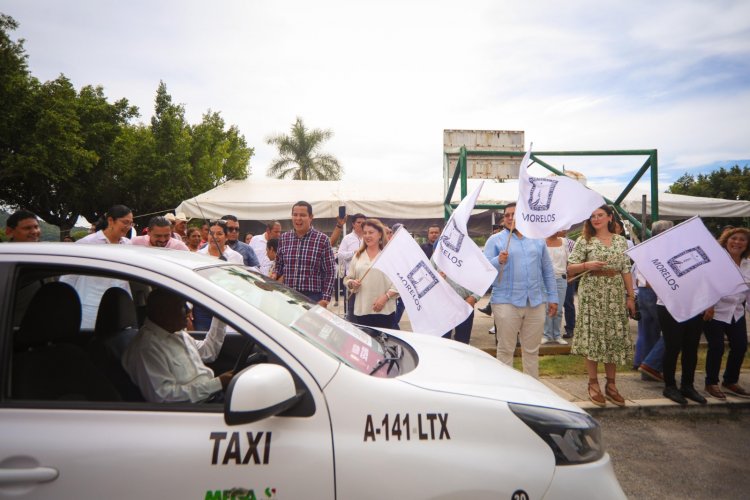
(612,394)
(595,393)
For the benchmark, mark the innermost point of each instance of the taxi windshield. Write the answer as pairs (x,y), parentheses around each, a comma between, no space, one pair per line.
(332,334)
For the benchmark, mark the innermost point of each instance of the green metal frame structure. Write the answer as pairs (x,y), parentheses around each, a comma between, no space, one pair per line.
(651,162)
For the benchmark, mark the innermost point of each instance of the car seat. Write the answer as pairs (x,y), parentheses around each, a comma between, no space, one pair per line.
(46,365)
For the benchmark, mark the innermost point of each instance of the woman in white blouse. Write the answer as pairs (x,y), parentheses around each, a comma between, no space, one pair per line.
(727,317)
(217,247)
(375,304)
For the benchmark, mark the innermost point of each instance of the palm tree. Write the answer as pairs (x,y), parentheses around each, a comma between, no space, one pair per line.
(299,156)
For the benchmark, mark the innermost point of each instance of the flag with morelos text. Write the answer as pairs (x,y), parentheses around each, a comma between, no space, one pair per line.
(687,269)
(433,307)
(547,205)
(458,256)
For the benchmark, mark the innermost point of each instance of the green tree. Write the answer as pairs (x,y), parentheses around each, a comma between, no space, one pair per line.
(299,155)
(43,173)
(15,86)
(101,123)
(64,153)
(727,184)
(54,141)
(216,155)
(161,165)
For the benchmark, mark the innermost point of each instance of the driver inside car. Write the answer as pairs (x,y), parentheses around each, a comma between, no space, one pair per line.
(167,363)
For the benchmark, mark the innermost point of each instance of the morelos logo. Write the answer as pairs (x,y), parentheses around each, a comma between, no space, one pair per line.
(422,279)
(686,261)
(540,197)
(453,238)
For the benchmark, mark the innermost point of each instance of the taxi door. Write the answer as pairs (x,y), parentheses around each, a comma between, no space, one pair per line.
(115,454)
(78,448)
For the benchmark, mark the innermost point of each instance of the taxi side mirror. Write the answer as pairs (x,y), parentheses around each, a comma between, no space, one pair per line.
(258,392)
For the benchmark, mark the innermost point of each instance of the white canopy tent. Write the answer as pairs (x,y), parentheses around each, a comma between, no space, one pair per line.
(263,199)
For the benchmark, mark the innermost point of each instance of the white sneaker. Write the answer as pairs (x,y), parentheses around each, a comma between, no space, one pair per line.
(562,341)
(545,340)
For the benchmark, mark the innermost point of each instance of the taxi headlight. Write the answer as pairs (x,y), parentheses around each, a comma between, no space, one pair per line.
(575,438)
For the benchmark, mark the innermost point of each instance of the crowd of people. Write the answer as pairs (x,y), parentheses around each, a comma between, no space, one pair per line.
(610,290)
(536,280)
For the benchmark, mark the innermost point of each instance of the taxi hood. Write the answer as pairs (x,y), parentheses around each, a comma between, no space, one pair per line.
(448,366)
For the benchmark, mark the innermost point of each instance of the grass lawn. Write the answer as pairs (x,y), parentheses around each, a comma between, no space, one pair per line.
(563,364)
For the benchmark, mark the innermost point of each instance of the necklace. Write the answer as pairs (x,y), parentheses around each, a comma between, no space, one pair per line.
(605,240)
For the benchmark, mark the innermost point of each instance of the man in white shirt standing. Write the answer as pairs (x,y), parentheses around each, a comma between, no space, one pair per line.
(351,241)
(258,244)
(166,363)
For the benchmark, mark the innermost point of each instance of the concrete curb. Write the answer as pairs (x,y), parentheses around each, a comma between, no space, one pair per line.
(648,400)
(663,406)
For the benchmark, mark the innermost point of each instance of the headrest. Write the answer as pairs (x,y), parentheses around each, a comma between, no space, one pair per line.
(53,313)
(116,313)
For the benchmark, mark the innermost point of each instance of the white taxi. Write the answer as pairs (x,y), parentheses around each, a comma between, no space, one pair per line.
(318,408)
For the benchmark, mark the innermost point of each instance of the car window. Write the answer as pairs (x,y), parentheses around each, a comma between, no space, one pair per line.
(54,358)
(333,335)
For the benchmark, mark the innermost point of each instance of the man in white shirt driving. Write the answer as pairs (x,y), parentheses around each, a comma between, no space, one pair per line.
(167,363)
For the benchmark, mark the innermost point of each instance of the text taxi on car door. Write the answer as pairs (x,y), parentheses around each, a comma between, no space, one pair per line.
(318,408)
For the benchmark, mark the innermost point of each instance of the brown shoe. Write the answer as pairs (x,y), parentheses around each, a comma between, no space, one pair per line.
(736,389)
(595,394)
(650,373)
(611,391)
(713,390)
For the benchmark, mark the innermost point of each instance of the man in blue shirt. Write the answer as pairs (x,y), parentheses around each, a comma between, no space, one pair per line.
(524,286)
(233,233)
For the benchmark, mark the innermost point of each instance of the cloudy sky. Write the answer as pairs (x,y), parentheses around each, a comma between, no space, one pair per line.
(388,76)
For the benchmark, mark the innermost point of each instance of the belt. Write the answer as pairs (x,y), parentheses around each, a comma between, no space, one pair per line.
(609,272)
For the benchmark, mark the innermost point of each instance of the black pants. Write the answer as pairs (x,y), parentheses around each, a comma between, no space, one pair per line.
(680,337)
(736,332)
(376,320)
(463,331)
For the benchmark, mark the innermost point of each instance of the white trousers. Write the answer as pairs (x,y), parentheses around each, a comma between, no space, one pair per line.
(525,324)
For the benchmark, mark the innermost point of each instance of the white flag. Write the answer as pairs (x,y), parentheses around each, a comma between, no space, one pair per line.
(687,268)
(458,256)
(433,307)
(547,205)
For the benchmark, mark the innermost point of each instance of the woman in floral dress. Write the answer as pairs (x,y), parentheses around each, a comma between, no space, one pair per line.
(605,296)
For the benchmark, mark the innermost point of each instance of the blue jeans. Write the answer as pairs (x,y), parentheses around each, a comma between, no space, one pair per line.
(552,325)
(655,358)
(570,307)
(649,331)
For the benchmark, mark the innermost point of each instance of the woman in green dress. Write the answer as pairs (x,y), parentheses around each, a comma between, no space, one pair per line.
(605,297)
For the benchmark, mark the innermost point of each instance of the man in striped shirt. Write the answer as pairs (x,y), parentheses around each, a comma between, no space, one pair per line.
(304,260)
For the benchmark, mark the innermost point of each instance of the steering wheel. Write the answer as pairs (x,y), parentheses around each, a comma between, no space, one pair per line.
(247,357)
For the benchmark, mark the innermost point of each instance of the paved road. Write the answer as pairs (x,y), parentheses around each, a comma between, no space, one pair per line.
(680,456)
